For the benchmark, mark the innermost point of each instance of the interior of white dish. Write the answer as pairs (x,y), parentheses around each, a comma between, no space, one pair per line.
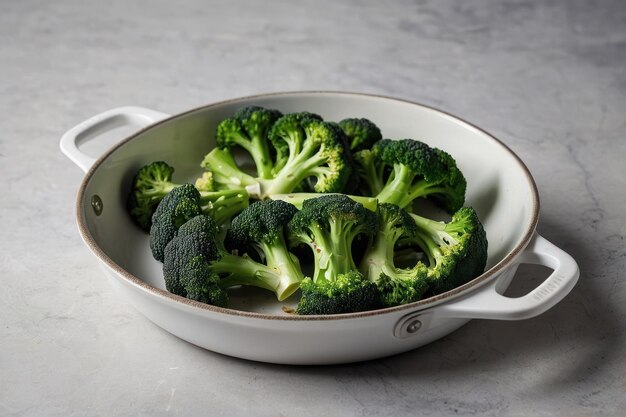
(499,186)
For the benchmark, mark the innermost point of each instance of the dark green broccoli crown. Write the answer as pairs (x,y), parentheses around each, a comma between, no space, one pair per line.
(247,123)
(407,169)
(199,224)
(187,271)
(262,221)
(180,205)
(361,133)
(257,121)
(321,211)
(199,283)
(421,158)
(150,184)
(348,293)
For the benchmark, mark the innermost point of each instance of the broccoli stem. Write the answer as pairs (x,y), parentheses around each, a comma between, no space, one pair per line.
(243,271)
(379,258)
(295,170)
(432,236)
(285,265)
(223,205)
(398,186)
(373,176)
(260,152)
(225,169)
(332,250)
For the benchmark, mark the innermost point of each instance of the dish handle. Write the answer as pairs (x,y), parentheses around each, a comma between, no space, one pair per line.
(102,123)
(487,302)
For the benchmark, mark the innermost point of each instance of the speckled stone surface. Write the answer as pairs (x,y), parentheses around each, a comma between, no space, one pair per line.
(548,78)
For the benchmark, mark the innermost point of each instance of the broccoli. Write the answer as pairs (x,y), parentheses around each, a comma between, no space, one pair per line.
(249,128)
(456,250)
(186,264)
(306,148)
(196,266)
(346,293)
(329,225)
(400,171)
(153,182)
(260,227)
(298,199)
(185,202)
(150,184)
(285,148)
(396,285)
(176,208)
(361,133)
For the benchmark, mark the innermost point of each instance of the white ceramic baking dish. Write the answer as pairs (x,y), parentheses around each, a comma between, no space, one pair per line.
(500,188)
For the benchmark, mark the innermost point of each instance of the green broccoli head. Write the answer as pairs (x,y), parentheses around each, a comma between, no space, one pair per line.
(361,133)
(346,293)
(260,227)
(396,285)
(401,171)
(456,250)
(249,128)
(199,224)
(178,206)
(309,150)
(287,135)
(329,225)
(262,222)
(150,184)
(187,267)
(309,154)
(199,283)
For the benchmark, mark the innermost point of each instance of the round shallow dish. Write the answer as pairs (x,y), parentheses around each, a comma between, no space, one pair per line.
(255,326)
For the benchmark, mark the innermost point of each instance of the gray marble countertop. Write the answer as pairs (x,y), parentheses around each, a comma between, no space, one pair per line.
(547,78)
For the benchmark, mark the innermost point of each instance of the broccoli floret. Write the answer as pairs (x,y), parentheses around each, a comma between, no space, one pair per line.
(186,267)
(292,123)
(196,266)
(154,181)
(456,250)
(314,151)
(249,128)
(150,184)
(396,285)
(400,171)
(347,293)
(260,227)
(329,225)
(361,133)
(185,202)
(176,208)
